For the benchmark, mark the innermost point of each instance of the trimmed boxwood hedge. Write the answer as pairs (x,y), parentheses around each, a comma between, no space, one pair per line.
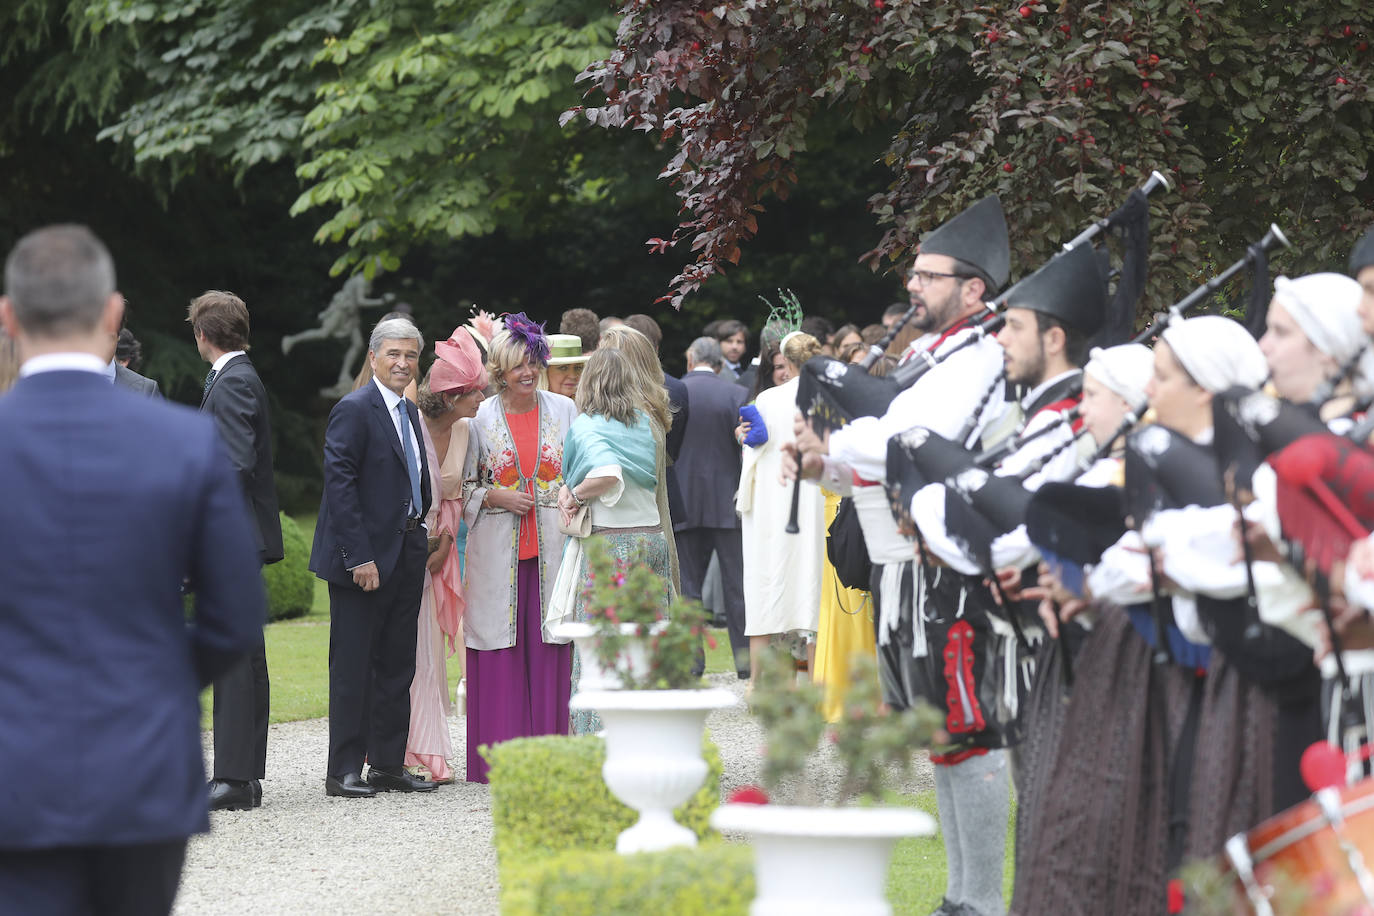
(556,824)
(715,879)
(290,583)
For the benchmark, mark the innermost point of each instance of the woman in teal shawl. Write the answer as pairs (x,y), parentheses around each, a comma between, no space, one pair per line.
(613,463)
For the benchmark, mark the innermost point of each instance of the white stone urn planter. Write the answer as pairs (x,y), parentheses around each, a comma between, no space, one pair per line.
(635,658)
(815,861)
(653,756)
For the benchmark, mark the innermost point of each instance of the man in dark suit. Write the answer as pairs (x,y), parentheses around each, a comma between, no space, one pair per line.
(708,472)
(236,398)
(103,665)
(370,546)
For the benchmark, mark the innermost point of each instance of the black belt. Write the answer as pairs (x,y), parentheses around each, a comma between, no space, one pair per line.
(412,523)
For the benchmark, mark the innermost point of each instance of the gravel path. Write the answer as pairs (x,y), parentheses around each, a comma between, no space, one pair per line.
(303,852)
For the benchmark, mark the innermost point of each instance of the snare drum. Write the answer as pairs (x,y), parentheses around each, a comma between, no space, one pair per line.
(1324,846)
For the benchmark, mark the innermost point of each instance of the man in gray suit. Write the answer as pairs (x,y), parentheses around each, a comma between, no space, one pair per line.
(708,469)
(125,377)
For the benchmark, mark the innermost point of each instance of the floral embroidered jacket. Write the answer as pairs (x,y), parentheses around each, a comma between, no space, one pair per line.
(493,548)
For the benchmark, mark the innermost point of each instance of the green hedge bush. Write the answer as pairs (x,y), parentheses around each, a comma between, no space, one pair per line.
(548,797)
(716,879)
(290,583)
(550,808)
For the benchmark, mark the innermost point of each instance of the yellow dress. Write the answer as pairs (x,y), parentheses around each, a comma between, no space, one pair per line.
(846,629)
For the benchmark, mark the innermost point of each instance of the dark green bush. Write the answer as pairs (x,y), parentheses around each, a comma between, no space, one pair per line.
(716,879)
(290,583)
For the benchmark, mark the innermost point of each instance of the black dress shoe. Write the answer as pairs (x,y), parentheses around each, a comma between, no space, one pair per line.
(257,792)
(349,786)
(396,779)
(231,795)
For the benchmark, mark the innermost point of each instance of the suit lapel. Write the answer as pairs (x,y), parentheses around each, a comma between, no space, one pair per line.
(219,375)
(383,418)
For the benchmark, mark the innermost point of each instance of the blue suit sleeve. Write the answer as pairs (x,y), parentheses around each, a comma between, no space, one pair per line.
(344,443)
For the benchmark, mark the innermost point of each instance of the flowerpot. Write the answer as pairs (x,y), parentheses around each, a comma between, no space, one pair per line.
(813,861)
(653,756)
(634,661)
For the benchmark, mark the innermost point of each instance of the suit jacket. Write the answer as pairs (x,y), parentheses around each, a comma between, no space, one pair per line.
(672,445)
(238,402)
(366,488)
(747,380)
(708,468)
(128,378)
(111,501)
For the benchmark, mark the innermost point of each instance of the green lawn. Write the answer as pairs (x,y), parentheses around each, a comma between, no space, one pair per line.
(298,660)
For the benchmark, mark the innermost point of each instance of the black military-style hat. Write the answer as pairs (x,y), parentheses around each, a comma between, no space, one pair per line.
(1071,287)
(978,236)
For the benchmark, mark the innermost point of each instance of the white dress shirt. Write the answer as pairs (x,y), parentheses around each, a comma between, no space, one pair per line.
(62,362)
(392,399)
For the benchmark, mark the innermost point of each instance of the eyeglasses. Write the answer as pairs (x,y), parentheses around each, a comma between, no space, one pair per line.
(924,278)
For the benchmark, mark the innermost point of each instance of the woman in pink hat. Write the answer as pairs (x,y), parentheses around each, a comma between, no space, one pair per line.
(447,400)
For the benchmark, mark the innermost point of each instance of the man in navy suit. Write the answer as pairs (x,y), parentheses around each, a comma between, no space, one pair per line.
(371,546)
(236,398)
(100,736)
(708,471)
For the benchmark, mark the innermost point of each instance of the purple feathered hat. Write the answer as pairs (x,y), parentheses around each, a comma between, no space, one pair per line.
(530,334)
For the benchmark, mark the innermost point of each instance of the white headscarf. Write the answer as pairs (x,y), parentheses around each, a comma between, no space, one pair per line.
(1326,307)
(1217,352)
(1125,369)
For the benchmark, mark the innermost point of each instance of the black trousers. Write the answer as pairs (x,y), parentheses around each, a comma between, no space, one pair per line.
(372,662)
(242,701)
(694,548)
(136,880)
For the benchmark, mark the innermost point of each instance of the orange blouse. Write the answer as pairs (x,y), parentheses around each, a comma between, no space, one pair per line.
(524,431)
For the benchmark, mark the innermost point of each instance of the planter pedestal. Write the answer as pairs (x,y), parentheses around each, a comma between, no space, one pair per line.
(653,756)
(820,861)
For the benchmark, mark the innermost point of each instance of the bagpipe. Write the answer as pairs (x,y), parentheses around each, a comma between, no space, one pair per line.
(1272,239)
(1324,492)
(991,320)
(831,394)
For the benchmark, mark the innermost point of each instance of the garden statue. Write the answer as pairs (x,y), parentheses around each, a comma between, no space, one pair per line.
(341,319)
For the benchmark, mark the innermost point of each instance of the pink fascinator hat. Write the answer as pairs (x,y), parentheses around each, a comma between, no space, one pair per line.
(459,366)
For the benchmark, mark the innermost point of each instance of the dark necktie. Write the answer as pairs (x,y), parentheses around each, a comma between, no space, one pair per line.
(412,468)
(209,380)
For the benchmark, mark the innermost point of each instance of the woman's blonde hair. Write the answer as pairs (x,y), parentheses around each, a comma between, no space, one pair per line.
(607,387)
(799,347)
(645,376)
(505,353)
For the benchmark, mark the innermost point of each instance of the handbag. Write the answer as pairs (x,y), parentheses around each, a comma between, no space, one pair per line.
(846,548)
(580,526)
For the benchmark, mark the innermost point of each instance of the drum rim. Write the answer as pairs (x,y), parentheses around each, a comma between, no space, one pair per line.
(1309,827)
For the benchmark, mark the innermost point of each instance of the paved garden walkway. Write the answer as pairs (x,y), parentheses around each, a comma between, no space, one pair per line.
(427,853)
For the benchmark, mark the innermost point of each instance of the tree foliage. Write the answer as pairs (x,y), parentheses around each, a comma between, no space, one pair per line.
(408,121)
(1258,110)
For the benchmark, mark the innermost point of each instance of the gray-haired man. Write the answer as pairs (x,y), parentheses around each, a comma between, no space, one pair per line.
(708,470)
(370,546)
